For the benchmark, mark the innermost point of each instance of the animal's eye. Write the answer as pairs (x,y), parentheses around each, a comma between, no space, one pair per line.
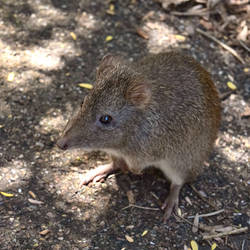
(105,119)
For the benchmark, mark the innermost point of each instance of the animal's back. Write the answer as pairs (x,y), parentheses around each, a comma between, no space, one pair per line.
(184,112)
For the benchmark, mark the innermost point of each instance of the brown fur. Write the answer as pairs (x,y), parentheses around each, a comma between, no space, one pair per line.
(165,110)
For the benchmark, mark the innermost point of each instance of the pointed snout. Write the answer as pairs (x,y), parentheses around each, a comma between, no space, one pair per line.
(62,143)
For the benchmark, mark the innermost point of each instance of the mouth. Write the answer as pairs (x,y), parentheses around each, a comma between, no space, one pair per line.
(64,145)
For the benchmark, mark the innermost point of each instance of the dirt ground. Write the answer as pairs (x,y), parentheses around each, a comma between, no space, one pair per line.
(46,49)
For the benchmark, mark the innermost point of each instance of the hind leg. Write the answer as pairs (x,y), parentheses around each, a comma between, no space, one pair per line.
(171,201)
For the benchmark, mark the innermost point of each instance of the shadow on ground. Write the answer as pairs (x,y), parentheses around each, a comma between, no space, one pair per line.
(47,49)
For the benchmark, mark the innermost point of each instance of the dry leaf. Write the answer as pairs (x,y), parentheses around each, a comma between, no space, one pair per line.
(142,33)
(213,246)
(166,3)
(206,24)
(246,70)
(32,194)
(6,194)
(244,32)
(36,202)
(180,38)
(130,227)
(231,85)
(111,10)
(144,233)
(73,35)
(179,212)
(224,229)
(194,245)
(108,38)
(129,239)
(196,223)
(44,232)
(188,200)
(10,76)
(201,192)
(85,85)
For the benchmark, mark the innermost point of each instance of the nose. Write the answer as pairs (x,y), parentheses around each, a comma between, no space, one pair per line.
(62,143)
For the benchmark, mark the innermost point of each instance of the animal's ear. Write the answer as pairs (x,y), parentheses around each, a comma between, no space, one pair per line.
(108,62)
(139,94)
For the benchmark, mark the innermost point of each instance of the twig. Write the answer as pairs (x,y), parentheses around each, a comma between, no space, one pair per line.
(235,231)
(200,225)
(146,208)
(158,201)
(244,46)
(155,196)
(191,13)
(243,245)
(223,45)
(182,218)
(201,197)
(208,214)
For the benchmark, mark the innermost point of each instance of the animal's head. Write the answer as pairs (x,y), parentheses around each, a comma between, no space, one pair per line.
(109,113)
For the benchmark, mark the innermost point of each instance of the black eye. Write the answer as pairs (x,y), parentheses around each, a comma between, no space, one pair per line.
(105,119)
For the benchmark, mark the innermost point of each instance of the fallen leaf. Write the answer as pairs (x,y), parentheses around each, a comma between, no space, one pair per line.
(129,239)
(144,233)
(130,227)
(188,200)
(32,194)
(246,70)
(231,85)
(213,246)
(36,202)
(44,232)
(166,3)
(179,212)
(111,10)
(242,35)
(224,229)
(10,76)
(142,33)
(180,38)
(6,194)
(196,223)
(85,85)
(108,38)
(73,35)
(194,245)
(206,24)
